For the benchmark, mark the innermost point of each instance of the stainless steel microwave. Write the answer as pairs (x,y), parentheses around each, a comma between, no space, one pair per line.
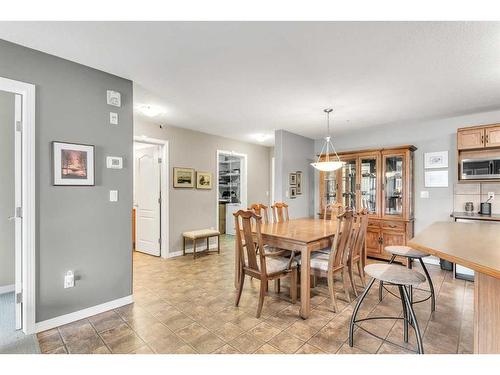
(480,169)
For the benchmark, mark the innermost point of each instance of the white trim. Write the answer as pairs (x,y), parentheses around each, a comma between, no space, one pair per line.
(28,198)
(82,314)
(174,254)
(7,288)
(165,178)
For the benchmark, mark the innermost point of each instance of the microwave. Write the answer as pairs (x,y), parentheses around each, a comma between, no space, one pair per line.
(480,169)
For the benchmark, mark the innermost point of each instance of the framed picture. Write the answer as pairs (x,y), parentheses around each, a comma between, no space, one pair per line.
(299,182)
(436,160)
(183,178)
(292,179)
(203,180)
(293,192)
(436,178)
(72,164)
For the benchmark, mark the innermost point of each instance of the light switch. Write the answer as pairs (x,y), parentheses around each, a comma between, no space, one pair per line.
(424,194)
(113,195)
(113,118)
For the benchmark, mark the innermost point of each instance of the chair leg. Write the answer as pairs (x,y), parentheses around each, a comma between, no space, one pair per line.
(194,249)
(331,289)
(240,287)
(184,246)
(414,322)
(431,286)
(218,244)
(361,273)
(293,285)
(405,314)
(355,312)
(277,286)
(313,281)
(351,279)
(263,290)
(345,275)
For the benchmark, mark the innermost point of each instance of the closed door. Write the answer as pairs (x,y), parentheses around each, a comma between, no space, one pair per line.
(148,200)
(369,183)
(492,138)
(393,189)
(470,138)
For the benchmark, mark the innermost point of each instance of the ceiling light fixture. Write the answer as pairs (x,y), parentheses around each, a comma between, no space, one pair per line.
(261,137)
(328,165)
(151,110)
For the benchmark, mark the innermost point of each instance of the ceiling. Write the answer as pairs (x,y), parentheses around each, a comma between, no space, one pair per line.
(240,79)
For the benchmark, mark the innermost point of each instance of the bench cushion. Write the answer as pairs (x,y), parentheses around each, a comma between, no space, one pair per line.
(201,233)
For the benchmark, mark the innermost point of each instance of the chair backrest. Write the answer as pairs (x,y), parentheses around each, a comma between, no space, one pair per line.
(280,212)
(341,241)
(262,210)
(360,227)
(247,242)
(332,211)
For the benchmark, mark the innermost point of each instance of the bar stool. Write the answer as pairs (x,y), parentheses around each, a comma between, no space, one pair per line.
(410,254)
(403,278)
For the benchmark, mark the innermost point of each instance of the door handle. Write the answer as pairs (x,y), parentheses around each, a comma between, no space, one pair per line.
(10,218)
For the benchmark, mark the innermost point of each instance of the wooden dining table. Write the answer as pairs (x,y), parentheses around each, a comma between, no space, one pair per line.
(303,236)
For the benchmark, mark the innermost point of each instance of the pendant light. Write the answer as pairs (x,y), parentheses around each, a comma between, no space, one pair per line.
(328,165)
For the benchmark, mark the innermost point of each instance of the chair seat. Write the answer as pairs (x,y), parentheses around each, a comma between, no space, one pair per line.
(318,260)
(395,274)
(202,233)
(406,251)
(275,264)
(270,250)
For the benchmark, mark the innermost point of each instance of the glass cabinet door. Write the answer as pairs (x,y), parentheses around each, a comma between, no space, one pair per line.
(331,187)
(393,184)
(368,184)
(349,184)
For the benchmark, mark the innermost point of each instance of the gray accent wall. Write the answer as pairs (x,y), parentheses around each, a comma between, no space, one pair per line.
(7,187)
(427,136)
(294,153)
(77,227)
(192,209)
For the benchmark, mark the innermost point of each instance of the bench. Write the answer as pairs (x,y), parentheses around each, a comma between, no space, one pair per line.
(196,235)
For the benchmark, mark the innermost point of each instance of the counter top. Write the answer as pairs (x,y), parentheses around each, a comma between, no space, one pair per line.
(474,216)
(473,245)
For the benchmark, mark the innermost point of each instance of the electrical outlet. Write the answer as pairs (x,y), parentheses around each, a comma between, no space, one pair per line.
(491,195)
(69,280)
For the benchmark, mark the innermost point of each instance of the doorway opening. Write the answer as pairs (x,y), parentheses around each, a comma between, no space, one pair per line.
(150,212)
(231,188)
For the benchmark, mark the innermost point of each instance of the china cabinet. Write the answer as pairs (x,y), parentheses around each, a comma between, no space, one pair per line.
(380,180)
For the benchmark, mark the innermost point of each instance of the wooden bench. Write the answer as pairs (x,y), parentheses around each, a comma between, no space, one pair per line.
(196,235)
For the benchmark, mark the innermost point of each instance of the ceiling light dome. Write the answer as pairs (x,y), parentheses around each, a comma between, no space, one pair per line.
(328,165)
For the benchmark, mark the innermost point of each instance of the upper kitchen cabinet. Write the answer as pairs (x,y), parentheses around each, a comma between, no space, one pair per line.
(478,137)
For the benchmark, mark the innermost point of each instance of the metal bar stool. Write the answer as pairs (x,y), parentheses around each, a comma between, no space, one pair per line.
(410,254)
(403,278)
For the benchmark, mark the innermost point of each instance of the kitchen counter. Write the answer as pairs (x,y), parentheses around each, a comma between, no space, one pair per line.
(476,246)
(474,216)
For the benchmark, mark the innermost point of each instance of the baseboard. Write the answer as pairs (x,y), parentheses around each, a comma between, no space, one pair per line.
(175,254)
(82,314)
(7,288)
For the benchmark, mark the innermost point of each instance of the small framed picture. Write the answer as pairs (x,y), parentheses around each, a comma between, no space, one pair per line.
(293,192)
(183,178)
(203,180)
(292,179)
(299,182)
(436,160)
(72,164)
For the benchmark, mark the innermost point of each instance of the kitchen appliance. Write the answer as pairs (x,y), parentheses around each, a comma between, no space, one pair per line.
(469,207)
(480,168)
(485,208)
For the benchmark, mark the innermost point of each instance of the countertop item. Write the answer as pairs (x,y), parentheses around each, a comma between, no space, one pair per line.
(476,246)
(474,216)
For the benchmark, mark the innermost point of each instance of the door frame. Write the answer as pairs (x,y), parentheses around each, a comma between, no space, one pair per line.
(164,183)
(28,193)
(244,188)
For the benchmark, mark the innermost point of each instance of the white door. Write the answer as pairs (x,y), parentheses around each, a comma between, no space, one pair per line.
(148,200)
(18,211)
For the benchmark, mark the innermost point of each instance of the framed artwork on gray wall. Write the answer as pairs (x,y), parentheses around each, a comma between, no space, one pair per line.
(72,164)
(293,192)
(292,179)
(299,182)
(204,180)
(183,177)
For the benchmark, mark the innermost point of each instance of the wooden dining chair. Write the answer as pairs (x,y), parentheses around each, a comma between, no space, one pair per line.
(259,265)
(261,210)
(280,212)
(332,211)
(356,253)
(328,265)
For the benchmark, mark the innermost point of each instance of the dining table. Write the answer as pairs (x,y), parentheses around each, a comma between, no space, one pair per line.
(303,236)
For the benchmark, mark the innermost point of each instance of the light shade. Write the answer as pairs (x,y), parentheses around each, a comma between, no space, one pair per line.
(328,166)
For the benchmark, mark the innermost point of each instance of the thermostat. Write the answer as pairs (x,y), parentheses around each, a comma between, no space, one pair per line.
(114,162)
(114,98)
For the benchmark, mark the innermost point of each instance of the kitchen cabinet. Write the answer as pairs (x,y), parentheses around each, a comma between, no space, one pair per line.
(380,180)
(492,136)
(478,137)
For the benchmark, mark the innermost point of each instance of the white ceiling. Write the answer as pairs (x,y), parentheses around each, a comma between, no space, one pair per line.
(237,79)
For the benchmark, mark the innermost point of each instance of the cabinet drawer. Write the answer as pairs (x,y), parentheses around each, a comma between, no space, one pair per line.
(375,224)
(394,225)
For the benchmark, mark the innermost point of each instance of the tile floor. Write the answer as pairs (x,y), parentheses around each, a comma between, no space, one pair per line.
(187,306)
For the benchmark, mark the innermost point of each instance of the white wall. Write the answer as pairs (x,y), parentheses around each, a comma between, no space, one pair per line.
(427,136)
(294,153)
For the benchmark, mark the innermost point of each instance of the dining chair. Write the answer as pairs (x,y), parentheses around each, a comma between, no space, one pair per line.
(328,265)
(260,265)
(261,210)
(332,210)
(280,212)
(356,253)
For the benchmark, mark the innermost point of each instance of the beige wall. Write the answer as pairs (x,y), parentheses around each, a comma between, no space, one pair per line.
(195,209)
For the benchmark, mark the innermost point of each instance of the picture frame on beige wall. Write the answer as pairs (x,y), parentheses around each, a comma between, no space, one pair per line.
(292,179)
(184,177)
(203,180)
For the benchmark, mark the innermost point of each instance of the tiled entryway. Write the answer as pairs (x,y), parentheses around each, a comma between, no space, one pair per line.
(187,306)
